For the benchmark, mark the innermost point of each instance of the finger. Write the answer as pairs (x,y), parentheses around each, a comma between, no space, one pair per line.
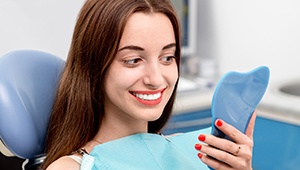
(219,144)
(231,131)
(236,153)
(218,154)
(213,163)
(250,128)
(243,150)
(219,159)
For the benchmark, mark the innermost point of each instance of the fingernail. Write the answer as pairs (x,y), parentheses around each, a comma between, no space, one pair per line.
(219,123)
(200,155)
(198,147)
(201,137)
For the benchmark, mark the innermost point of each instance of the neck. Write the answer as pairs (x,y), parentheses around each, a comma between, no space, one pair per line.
(112,128)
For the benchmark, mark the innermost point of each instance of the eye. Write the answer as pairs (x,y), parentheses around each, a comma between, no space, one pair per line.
(167,60)
(132,62)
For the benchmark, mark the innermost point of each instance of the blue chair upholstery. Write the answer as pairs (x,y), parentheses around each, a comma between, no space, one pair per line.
(28,83)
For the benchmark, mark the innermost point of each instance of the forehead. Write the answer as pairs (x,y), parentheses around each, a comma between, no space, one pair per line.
(147,29)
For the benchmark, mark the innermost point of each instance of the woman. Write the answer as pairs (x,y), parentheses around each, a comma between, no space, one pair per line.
(120,79)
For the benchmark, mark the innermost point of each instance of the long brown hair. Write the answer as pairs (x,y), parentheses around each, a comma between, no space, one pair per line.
(78,107)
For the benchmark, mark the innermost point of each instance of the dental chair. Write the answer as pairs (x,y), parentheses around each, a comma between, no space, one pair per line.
(28,83)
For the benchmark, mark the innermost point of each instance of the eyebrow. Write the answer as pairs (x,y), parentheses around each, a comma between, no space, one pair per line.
(137,48)
(169,46)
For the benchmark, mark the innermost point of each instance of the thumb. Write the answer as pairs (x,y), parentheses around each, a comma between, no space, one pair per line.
(250,128)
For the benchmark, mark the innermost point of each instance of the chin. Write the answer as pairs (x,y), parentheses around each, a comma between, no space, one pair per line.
(154,117)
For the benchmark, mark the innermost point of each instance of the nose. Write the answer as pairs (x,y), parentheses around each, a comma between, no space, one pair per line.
(153,76)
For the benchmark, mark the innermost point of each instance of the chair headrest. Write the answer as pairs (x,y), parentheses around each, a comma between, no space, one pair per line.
(28,83)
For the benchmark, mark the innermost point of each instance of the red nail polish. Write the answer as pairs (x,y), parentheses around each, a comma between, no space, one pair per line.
(201,137)
(219,123)
(200,155)
(198,147)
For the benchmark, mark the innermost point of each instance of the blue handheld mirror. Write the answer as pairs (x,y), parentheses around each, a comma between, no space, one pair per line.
(236,97)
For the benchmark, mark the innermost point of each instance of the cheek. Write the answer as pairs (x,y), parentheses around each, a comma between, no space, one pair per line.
(172,75)
(121,79)
(175,76)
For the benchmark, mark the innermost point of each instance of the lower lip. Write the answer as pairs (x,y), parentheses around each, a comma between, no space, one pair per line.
(150,102)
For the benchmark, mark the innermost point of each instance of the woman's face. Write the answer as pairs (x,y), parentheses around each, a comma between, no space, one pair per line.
(141,79)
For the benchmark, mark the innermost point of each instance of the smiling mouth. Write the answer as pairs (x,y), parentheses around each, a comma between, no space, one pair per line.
(147,96)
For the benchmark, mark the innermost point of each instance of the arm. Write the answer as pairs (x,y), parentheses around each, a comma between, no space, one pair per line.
(223,154)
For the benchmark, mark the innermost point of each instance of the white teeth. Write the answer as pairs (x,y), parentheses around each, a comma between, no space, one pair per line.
(148,96)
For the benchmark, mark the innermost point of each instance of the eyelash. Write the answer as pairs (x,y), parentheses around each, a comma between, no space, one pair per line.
(166,60)
(132,62)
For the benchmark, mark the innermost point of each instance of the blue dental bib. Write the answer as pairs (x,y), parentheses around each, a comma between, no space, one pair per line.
(147,151)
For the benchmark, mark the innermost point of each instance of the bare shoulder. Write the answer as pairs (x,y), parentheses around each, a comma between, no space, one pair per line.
(64,163)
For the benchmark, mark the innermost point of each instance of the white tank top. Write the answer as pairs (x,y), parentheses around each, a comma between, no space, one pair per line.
(76,158)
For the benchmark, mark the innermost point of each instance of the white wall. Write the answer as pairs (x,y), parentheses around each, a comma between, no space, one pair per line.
(249,33)
(37,24)
(246,33)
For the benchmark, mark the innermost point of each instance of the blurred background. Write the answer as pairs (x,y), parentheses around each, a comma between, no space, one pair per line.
(218,36)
